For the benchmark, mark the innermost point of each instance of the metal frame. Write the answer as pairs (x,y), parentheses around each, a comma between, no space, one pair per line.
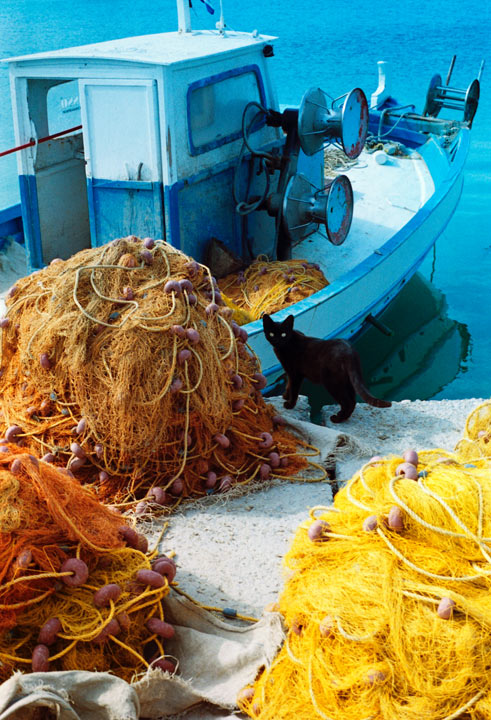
(211,80)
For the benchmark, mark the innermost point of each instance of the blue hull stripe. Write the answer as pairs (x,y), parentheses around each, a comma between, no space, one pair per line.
(30,220)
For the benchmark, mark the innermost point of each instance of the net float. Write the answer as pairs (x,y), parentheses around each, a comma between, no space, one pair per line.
(225,483)
(49,631)
(160,627)
(81,426)
(164,664)
(266,440)
(44,361)
(411,456)
(16,467)
(445,608)
(186,285)
(172,286)
(165,566)
(146,256)
(274,459)
(370,523)
(12,432)
(107,594)
(159,495)
(40,658)
(179,331)
(77,463)
(79,572)
(77,451)
(317,529)
(408,470)
(183,356)
(211,480)
(326,626)
(222,440)
(193,336)
(395,519)
(150,577)
(112,628)
(129,535)
(260,380)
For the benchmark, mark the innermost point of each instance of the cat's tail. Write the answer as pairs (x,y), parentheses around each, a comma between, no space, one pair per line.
(356,377)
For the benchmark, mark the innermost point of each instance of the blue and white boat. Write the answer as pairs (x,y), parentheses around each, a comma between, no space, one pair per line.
(181,136)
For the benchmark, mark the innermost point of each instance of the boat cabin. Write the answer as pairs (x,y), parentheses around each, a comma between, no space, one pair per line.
(155,133)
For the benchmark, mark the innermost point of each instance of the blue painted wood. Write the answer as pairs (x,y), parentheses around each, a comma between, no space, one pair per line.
(120,208)
(206,210)
(30,221)
(10,213)
(172,223)
(11,225)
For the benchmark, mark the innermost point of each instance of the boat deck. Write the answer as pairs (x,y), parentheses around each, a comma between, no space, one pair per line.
(386,197)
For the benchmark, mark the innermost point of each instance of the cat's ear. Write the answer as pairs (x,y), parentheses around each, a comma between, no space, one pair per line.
(267,322)
(288,323)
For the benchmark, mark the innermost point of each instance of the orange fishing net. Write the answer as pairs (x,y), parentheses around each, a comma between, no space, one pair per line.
(266,287)
(123,365)
(77,588)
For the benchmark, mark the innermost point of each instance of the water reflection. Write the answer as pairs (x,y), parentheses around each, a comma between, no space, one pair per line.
(426,351)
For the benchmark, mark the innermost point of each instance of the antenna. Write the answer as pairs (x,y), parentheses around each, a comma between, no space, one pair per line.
(183,16)
(318,124)
(220,26)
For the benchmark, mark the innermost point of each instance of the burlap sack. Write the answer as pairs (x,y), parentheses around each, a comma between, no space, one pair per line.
(217,659)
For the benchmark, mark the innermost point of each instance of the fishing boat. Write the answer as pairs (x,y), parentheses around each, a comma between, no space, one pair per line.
(181,136)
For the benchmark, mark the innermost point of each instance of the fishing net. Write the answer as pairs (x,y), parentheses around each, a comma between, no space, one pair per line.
(388,600)
(266,287)
(78,588)
(123,365)
(476,442)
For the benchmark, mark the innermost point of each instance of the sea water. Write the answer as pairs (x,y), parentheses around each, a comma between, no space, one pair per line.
(440,341)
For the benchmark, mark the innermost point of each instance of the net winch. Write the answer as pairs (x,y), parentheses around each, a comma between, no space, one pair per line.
(441,96)
(347,123)
(298,205)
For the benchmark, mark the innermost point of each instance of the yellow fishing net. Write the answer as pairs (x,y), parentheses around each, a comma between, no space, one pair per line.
(123,365)
(387,603)
(266,287)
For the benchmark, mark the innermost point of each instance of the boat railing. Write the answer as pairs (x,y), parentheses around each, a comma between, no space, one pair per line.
(37,141)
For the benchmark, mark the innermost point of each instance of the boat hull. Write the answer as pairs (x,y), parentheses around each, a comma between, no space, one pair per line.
(341,309)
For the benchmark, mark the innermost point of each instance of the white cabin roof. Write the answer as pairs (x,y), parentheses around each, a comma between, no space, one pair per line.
(158,49)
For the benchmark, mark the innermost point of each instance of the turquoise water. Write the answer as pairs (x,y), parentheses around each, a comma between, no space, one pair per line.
(336,46)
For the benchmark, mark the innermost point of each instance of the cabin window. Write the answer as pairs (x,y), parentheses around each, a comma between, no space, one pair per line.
(216,104)
(63,107)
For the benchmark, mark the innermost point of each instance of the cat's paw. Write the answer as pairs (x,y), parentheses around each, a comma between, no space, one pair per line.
(289,405)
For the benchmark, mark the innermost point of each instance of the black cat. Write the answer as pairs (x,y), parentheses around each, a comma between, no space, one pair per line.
(332,363)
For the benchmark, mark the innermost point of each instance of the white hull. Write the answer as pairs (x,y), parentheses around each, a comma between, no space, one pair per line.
(341,309)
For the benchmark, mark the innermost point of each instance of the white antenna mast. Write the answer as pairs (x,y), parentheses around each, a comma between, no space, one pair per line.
(183,16)
(220,26)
